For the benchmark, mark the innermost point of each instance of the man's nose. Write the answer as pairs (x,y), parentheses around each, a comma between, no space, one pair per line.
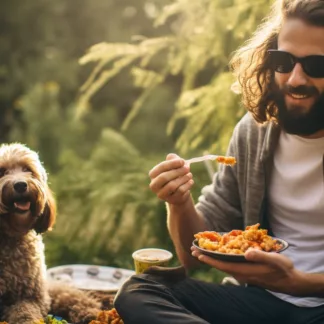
(297,76)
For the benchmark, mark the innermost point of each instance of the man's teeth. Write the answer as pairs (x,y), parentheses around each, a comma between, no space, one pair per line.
(298,96)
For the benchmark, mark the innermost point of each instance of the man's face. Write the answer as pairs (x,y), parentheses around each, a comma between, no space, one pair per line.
(299,97)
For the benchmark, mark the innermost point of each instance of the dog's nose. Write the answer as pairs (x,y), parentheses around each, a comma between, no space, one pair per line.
(20,186)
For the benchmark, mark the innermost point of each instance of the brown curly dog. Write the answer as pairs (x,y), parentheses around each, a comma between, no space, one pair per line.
(27,209)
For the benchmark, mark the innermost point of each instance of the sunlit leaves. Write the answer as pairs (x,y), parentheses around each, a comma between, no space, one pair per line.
(109,205)
(206,110)
(205,33)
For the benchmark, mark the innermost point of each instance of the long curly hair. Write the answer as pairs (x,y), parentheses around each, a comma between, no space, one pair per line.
(250,63)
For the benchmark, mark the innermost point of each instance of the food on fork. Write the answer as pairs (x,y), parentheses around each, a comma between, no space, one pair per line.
(238,241)
(227,160)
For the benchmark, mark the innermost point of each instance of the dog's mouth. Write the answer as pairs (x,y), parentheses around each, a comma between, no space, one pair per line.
(20,215)
(19,203)
(21,206)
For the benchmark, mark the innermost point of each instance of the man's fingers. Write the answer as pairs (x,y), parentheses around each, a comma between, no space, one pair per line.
(258,256)
(235,269)
(270,258)
(172,156)
(186,186)
(178,185)
(166,166)
(262,264)
(177,193)
(170,179)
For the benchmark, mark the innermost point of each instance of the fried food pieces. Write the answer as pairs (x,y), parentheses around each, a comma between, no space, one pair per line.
(238,241)
(228,160)
(110,317)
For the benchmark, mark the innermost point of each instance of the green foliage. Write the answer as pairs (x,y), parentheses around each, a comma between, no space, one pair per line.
(106,209)
(41,113)
(42,76)
(205,33)
(210,112)
(112,161)
(41,42)
(105,203)
(153,87)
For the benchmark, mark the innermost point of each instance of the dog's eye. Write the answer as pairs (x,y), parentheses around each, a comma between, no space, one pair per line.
(26,169)
(2,172)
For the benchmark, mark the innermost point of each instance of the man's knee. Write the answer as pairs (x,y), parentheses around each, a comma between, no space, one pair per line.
(127,292)
(133,291)
(135,295)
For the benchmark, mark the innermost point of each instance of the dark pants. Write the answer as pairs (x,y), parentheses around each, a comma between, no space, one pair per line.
(149,298)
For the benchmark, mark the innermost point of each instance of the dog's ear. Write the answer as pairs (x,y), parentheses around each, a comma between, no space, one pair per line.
(46,220)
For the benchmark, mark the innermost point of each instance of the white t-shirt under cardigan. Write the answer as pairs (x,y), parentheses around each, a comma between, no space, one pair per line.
(296,198)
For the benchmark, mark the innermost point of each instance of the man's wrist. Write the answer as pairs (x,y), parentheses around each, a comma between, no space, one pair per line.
(184,208)
(308,284)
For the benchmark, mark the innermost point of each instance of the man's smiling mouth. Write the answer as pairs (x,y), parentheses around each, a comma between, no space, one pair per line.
(298,96)
(300,93)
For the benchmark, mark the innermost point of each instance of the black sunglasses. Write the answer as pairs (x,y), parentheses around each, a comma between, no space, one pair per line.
(284,62)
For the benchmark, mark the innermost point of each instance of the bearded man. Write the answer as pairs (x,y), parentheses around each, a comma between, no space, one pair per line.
(278,181)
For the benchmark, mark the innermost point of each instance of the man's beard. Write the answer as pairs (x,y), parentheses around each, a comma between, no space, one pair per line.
(295,120)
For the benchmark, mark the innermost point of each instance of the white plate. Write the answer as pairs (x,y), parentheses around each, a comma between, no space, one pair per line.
(90,277)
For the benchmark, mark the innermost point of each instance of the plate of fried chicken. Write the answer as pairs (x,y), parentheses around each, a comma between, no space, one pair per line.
(231,246)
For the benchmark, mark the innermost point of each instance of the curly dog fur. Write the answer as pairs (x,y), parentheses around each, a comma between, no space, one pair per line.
(27,209)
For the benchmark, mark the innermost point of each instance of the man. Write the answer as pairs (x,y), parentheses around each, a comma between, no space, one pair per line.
(278,181)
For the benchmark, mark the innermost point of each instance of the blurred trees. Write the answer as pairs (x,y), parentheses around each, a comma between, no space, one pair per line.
(154,80)
(203,35)
(42,42)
